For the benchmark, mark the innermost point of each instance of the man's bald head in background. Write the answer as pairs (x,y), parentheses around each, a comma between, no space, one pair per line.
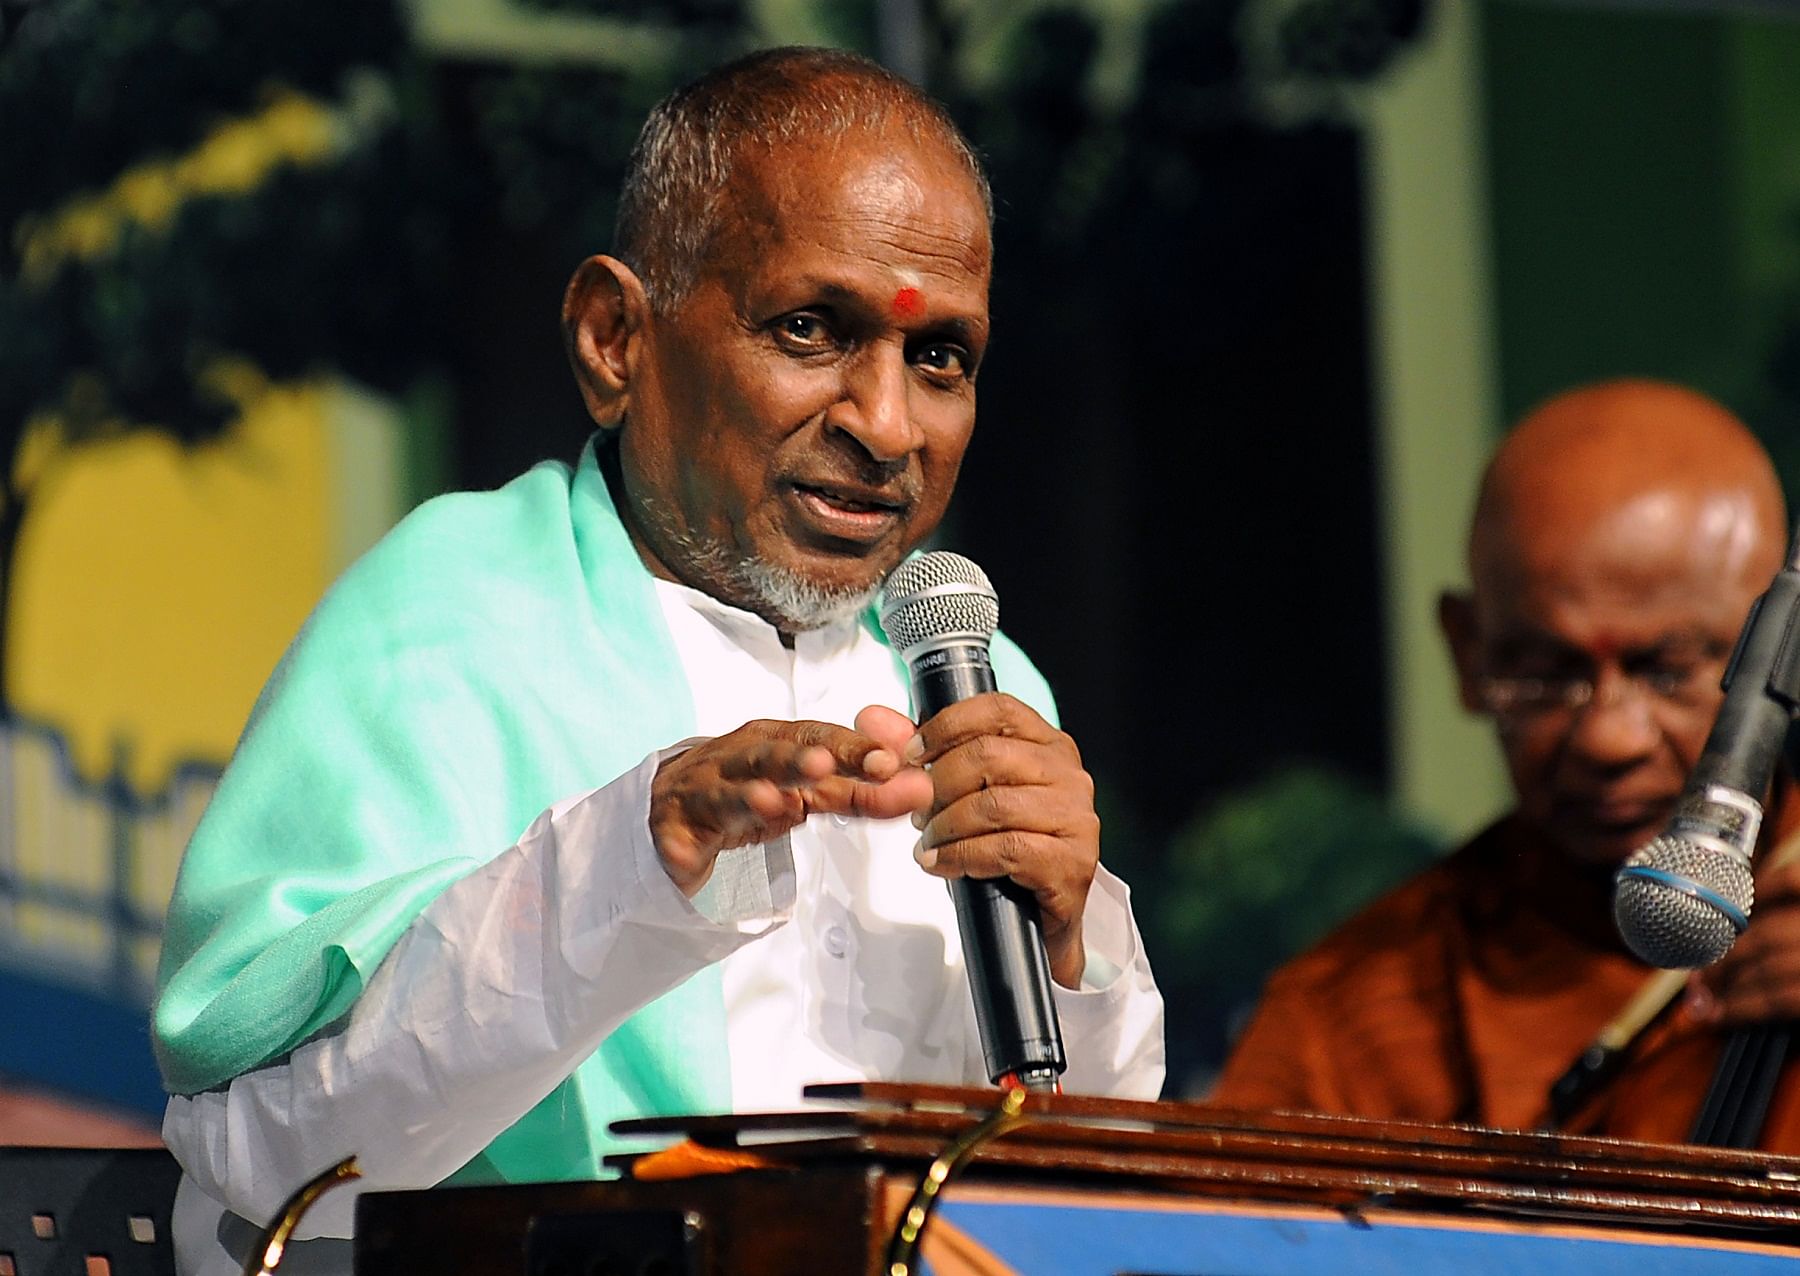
(1621,533)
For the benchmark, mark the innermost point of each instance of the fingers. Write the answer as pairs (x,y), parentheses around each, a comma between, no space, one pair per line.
(992,761)
(798,755)
(903,793)
(892,729)
(1760,993)
(758,782)
(1760,979)
(853,772)
(1057,864)
(780,762)
(1053,866)
(1762,989)
(1020,776)
(1778,886)
(1010,799)
(995,831)
(994,714)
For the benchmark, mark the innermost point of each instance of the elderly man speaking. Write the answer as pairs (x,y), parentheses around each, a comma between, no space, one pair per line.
(589,798)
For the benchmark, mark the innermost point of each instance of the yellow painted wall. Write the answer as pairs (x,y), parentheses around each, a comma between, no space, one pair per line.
(156,587)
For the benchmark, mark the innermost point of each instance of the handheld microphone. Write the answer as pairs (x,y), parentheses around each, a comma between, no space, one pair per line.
(1683,900)
(939,612)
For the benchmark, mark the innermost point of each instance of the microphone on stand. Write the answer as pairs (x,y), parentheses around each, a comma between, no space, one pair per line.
(939,611)
(1683,900)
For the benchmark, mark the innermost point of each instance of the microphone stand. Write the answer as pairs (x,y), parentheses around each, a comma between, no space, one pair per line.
(1736,1107)
(1743,1082)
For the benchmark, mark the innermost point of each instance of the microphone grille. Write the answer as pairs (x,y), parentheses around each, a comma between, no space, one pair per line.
(935,597)
(1668,924)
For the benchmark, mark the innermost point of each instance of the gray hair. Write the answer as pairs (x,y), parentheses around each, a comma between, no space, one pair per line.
(676,184)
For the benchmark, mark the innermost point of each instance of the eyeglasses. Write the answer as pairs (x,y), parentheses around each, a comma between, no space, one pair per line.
(1680,690)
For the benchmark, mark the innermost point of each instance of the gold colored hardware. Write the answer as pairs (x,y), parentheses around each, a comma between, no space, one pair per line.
(905,1242)
(272,1244)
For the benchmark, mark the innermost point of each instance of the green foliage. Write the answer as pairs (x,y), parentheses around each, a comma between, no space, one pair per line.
(345,267)
(552,146)
(340,267)
(1270,869)
(1069,164)
(90,87)
(1348,39)
(337,260)
(671,12)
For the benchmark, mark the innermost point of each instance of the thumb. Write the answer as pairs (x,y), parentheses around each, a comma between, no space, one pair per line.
(881,723)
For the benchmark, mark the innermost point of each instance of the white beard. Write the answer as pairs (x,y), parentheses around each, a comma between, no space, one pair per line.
(801,604)
(794,603)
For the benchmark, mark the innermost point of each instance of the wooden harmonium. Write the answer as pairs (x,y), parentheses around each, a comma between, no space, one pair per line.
(1106,1187)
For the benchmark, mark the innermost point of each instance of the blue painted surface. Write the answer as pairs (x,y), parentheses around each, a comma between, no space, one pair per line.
(75,1042)
(1069,1241)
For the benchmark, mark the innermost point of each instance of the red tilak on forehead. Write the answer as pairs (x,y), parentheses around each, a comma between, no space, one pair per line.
(909,302)
(1603,647)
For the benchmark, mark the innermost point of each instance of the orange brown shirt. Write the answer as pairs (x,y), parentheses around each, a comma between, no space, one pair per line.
(1464,995)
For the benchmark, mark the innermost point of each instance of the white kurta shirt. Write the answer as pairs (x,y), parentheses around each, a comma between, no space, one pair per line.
(841,962)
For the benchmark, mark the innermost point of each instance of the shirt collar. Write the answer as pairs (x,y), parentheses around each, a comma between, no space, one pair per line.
(750,630)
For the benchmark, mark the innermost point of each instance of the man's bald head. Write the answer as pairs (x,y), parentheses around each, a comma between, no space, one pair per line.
(1621,534)
(1626,455)
(677,192)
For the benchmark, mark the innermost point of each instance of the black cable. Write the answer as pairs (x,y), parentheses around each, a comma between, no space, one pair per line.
(1743,1084)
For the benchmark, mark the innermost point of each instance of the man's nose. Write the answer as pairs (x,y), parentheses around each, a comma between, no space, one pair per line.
(1617,725)
(875,407)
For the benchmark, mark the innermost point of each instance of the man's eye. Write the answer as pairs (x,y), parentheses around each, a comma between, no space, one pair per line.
(942,356)
(1672,680)
(1534,669)
(803,332)
(1679,673)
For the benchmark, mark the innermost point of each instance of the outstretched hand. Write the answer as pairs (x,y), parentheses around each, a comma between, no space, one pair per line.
(765,778)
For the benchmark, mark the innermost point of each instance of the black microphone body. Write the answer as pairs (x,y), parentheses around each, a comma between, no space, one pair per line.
(1683,900)
(999,920)
(1001,927)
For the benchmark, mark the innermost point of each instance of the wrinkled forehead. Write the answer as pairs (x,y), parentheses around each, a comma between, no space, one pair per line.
(1669,556)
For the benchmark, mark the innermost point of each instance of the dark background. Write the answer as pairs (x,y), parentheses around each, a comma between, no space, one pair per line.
(1172,479)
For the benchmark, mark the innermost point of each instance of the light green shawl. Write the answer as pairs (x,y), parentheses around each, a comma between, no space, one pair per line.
(495,653)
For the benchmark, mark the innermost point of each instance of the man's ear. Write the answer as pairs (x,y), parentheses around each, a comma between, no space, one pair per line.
(1456,617)
(605,315)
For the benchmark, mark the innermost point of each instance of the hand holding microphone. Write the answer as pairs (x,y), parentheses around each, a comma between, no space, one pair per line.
(1011,822)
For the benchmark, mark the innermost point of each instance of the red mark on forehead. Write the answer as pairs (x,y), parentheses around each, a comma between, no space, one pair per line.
(1603,647)
(909,302)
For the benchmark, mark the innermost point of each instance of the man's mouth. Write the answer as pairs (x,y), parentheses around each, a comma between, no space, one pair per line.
(848,512)
(1622,815)
(1622,824)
